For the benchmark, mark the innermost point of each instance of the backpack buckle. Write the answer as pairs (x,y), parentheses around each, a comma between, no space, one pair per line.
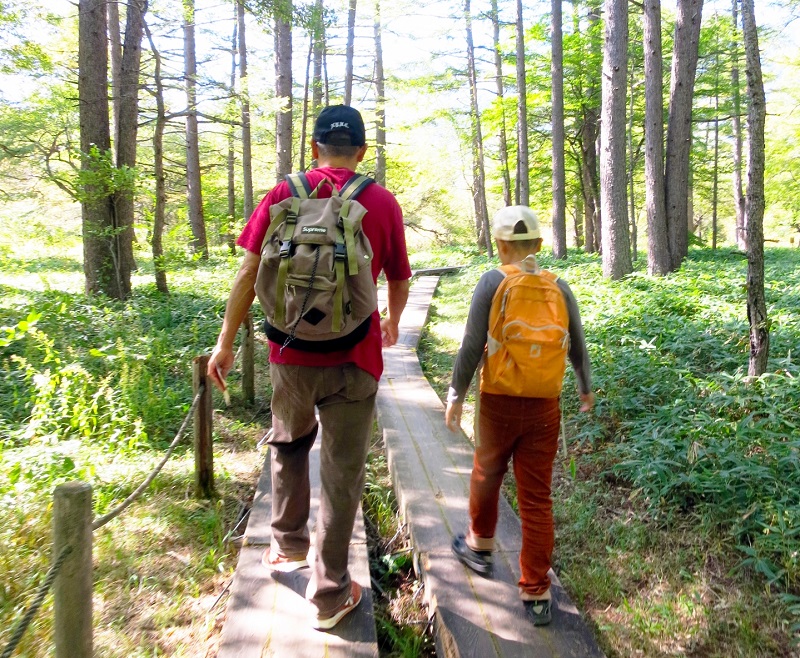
(340,251)
(286,247)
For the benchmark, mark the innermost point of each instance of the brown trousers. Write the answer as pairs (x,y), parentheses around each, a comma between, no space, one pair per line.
(525,429)
(345,397)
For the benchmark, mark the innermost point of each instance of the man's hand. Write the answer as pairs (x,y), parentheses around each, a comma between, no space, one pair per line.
(452,415)
(587,401)
(219,365)
(389,332)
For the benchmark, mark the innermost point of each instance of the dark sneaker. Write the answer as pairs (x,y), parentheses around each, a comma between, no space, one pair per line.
(479,561)
(539,612)
(329,621)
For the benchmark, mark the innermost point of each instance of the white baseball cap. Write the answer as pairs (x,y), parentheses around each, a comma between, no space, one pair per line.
(515,223)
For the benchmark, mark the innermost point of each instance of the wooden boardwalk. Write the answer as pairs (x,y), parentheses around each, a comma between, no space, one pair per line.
(268,615)
(473,616)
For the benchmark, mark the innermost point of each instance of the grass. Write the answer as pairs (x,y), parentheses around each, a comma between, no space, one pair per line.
(95,389)
(676,532)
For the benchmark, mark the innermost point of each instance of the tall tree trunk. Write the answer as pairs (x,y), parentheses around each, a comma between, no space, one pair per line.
(633,235)
(679,128)
(306,101)
(231,160)
(115,58)
(522,193)
(247,146)
(478,175)
(738,194)
(754,207)
(715,187)
(350,52)
(159,210)
(380,101)
(500,84)
(616,247)
(319,86)
(589,132)
(100,256)
(658,258)
(559,174)
(283,90)
(127,130)
(194,191)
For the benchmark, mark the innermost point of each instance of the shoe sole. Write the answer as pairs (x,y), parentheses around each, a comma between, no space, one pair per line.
(481,568)
(349,605)
(288,566)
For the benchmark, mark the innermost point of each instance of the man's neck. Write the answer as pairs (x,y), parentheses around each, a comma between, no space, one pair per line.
(338,163)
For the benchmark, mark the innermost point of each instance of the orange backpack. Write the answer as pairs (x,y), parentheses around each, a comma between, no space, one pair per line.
(528,339)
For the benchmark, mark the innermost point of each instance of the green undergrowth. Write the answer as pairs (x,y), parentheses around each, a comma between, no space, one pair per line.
(678,528)
(94,389)
(400,615)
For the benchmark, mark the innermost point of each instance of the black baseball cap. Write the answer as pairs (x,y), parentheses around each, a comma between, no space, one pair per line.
(339,125)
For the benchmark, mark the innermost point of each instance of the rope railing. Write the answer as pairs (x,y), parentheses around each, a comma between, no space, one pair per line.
(30,613)
(101,521)
(201,410)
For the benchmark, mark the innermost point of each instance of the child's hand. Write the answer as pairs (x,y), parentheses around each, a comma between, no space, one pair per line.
(587,401)
(452,416)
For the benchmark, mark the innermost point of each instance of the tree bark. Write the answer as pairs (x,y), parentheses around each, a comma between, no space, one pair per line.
(754,204)
(159,210)
(616,246)
(478,174)
(350,52)
(306,100)
(632,158)
(522,193)
(194,192)
(736,125)
(318,86)
(100,255)
(127,130)
(231,160)
(500,84)
(247,141)
(559,175)
(658,258)
(380,101)
(115,58)
(679,128)
(589,132)
(283,91)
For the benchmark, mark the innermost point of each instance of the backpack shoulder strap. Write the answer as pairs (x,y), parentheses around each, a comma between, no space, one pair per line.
(355,186)
(299,185)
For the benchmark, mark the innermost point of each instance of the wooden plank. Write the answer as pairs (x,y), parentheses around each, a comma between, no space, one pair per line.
(430,467)
(268,614)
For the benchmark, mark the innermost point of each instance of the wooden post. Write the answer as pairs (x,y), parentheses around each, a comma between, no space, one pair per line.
(72,588)
(203,426)
(249,360)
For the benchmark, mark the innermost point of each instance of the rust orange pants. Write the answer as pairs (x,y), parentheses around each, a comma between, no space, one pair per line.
(524,430)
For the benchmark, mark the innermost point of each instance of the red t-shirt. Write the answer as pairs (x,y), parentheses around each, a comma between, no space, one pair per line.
(383,225)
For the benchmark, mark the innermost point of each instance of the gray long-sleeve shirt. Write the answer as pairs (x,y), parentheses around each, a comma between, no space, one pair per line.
(477,328)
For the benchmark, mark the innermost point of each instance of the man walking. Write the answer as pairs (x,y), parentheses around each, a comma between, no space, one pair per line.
(341,384)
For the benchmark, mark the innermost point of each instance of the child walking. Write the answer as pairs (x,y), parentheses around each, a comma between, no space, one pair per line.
(523,322)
